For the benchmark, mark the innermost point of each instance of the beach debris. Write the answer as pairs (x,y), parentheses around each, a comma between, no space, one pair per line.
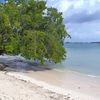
(3,66)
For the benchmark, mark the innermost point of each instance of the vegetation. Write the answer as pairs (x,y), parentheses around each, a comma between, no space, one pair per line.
(30,28)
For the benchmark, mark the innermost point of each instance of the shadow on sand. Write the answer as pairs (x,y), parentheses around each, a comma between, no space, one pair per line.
(25,67)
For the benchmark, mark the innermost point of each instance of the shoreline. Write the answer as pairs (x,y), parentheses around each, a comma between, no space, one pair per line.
(72,95)
(77,72)
(71,80)
(73,84)
(77,85)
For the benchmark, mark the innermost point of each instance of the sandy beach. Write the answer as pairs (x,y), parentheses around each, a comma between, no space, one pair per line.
(12,88)
(24,81)
(86,87)
(48,85)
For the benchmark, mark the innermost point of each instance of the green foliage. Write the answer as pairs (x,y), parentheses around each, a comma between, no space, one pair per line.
(29,28)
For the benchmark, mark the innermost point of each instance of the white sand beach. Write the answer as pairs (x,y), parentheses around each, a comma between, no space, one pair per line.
(12,88)
(24,82)
(21,86)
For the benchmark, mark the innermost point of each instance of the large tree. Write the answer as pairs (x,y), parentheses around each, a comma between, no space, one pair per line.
(30,28)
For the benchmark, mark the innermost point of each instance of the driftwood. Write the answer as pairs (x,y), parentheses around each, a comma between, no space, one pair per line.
(3,66)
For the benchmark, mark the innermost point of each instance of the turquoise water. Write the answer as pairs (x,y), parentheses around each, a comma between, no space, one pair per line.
(82,57)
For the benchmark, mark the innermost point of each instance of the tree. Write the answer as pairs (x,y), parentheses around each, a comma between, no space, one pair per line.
(5,28)
(32,30)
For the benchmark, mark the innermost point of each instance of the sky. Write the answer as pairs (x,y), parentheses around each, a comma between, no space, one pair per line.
(81,18)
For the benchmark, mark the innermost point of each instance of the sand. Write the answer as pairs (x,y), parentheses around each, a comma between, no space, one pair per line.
(74,82)
(12,88)
(20,86)
(23,81)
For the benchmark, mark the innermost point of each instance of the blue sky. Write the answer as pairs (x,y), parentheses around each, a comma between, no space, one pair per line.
(81,17)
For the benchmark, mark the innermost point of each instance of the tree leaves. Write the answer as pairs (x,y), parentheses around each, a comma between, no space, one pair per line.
(32,30)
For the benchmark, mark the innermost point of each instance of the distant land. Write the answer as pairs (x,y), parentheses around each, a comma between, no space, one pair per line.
(81,42)
(95,42)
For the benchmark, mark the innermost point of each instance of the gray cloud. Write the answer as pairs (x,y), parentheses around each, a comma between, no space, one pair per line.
(82,17)
(77,11)
(84,32)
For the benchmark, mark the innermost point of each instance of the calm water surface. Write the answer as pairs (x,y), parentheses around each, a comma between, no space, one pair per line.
(82,57)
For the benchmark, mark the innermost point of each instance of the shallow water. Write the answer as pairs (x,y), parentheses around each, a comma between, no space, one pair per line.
(81,60)
(82,57)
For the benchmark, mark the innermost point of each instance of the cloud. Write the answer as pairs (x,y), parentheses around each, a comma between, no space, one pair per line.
(81,18)
(84,32)
(77,11)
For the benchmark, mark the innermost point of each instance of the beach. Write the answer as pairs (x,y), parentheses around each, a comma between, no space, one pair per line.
(49,50)
(23,80)
(48,85)
(79,86)
(71,80)
(12,88)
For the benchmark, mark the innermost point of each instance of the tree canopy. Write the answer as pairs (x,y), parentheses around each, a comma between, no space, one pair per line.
(30,28)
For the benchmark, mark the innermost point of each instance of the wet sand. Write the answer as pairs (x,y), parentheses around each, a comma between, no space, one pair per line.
(70,80)
(52,84)
(60,84)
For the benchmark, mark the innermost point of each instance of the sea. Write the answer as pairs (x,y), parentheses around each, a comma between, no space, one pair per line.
(81,57)
(78,73)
